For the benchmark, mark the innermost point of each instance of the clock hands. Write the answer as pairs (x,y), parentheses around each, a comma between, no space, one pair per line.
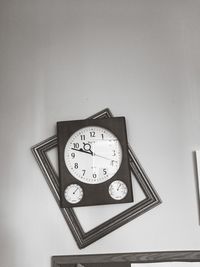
(87,149)
(82,150)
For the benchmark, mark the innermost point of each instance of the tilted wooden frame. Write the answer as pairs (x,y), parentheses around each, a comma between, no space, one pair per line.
(197,153)
(82,238)
(137,257)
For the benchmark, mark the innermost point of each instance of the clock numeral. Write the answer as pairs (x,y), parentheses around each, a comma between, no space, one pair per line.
(83,172)
(92,134)
(102,136)
(104,171)
(76,145)
(82,137)
(114,153)
(76,165)
(94,175)
(73,155)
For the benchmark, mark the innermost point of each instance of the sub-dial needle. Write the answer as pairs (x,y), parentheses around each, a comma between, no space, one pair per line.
(119,187)
(75,191)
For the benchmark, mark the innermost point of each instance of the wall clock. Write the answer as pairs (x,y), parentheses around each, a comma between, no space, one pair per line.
(83,237)
(93,162)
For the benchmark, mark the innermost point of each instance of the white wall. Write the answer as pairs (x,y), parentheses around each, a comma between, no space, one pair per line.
(64,60)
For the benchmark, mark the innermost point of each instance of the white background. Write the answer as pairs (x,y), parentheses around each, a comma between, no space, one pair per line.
(65,60)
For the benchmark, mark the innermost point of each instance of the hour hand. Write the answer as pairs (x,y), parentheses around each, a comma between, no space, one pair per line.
(82,150)
(87,148)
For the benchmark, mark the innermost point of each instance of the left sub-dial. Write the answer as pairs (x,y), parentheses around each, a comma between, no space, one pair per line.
(73,193)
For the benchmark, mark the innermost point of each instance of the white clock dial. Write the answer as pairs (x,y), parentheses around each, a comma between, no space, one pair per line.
(118,190)
(73,193)
(93,155)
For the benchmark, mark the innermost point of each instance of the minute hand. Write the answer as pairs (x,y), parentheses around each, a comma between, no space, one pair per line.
(104,157)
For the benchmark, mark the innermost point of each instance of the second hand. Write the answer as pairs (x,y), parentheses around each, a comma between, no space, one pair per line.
(104,157)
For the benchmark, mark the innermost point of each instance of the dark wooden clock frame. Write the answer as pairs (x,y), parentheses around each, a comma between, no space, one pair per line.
(94,194)
(81,237)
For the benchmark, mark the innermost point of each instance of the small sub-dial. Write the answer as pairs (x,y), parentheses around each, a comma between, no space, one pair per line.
(118,190)
(73,193)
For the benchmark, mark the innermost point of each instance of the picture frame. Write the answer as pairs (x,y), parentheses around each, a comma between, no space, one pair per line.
(82,237)
(135,257)
(96,264)
(198,164)
(197,156)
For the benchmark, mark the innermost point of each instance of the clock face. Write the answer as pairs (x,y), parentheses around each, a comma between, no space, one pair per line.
(93,155)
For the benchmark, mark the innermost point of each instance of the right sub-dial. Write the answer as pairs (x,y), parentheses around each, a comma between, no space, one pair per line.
(118,190)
